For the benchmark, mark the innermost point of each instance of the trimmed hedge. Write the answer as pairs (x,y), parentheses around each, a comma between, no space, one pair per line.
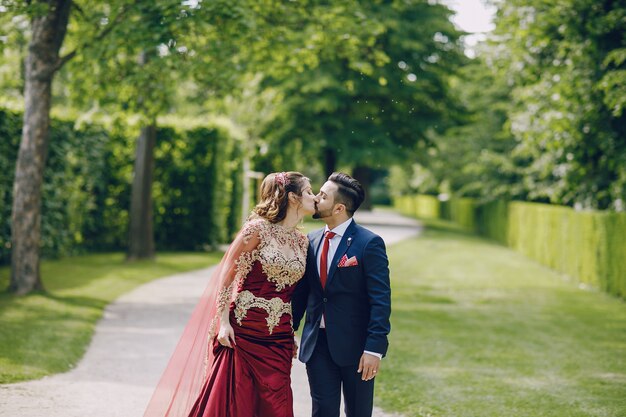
(492,220)
(589,246)
(72,176)
(427,207)
(87,184)
(460,211)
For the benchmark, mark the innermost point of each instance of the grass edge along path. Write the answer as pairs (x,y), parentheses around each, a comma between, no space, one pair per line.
(480,330)
(47,333)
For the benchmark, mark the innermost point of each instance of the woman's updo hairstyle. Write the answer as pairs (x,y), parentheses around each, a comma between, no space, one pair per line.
(275,190)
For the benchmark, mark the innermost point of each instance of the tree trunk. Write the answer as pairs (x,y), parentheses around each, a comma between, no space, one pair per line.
(364,175)
(141,235)
(42,62)
(330,161)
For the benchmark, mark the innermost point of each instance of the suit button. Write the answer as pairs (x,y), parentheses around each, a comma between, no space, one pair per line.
(325,299)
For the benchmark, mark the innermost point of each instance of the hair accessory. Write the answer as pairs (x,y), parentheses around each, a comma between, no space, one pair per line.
(282,179)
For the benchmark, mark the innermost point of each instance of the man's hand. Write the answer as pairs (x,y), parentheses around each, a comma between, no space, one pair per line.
(368,366)
(295,348)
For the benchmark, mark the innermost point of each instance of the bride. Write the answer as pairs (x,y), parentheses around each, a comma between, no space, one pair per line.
(234,357)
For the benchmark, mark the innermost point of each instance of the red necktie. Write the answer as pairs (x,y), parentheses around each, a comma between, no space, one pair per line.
(324,258)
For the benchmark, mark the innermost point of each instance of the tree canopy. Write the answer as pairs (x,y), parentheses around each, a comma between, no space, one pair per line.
(545,98)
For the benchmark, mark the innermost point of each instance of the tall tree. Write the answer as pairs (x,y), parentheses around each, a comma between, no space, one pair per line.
(207,48)
(545,101)
(474,158)
(49,22)
(373,111)
(141,233)
(566,112)
(49,25)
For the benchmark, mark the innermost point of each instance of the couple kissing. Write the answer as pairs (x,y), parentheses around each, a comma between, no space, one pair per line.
(234,357)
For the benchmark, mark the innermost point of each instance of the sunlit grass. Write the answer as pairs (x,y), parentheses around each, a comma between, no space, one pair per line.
(46,333)
(479,330)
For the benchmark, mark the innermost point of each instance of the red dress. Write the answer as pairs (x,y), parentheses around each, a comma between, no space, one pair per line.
(253,379)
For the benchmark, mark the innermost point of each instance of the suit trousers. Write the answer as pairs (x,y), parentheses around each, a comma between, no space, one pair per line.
(327,379)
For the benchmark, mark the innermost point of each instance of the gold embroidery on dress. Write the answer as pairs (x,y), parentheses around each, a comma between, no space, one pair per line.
(282,254)
(275,308)
(223,300)
(244,266)
(249,229)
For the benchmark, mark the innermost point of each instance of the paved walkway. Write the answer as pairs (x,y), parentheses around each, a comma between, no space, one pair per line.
(134,340)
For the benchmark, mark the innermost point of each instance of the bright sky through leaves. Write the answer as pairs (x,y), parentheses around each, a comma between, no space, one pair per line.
(472,16)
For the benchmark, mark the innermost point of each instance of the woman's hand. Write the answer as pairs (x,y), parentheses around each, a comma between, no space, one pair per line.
(226,335)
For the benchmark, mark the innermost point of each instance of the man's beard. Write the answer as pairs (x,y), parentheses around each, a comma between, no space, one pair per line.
(322,214)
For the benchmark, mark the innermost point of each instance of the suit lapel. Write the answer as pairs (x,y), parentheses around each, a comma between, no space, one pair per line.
(341,250)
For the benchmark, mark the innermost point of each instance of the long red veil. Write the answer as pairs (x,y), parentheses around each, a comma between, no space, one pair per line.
(186,371)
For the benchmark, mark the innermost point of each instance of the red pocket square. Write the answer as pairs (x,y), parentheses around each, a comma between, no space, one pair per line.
(344,262)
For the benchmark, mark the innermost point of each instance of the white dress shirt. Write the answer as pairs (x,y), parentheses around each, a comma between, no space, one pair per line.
(333,244)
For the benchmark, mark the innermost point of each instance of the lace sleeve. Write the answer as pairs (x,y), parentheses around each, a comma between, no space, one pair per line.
(236,264)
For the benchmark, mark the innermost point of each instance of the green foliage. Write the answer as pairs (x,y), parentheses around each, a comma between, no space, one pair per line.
(544,109)
(492,220)
(71,177)
(585,245)
(190,189)
(428,207)
(233,189)
(70,183)
(86,194)
(613,83)
(13,47)
(474,159)
(612,266)
(588,246)
(131,55)
(10,134)
(411,179)
(420,206)
(166,55)
(568,128)
(374,107)
(106,225)
(460,211)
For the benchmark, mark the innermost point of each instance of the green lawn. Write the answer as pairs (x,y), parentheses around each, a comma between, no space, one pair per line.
(479,330)
(42,334)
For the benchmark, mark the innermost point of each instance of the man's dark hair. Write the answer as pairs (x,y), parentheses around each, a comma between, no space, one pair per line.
(349,191)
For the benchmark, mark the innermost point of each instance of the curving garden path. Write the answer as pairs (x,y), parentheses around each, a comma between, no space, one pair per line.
(133,342)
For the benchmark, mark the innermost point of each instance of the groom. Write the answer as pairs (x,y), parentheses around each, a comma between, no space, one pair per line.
(346,295)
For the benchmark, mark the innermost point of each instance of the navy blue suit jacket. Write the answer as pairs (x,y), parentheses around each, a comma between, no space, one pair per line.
(356,301)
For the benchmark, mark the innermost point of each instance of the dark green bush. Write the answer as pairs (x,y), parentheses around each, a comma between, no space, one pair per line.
(10,131)
(190,188)
(492,219)
(87,185)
